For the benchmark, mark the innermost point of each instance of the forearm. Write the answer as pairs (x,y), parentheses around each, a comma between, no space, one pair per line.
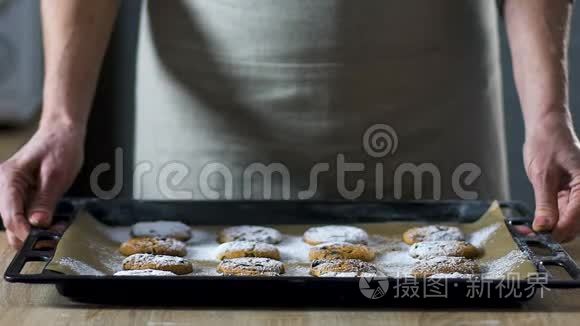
(76,34)
(538,32)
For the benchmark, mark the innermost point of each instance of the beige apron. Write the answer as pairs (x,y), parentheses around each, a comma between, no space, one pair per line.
(275,99)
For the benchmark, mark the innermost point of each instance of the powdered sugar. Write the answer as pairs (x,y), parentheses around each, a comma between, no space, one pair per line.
(396,263)
(336,233)
(350,274)
(204,271)
(381,244)
(251,266)
(244,245)
(342,267)
(499,268)
(258,248)
(202,252)
(436,233)
(481,236)
(294,250)
(109,257)
(250,233)
(144,272)
(258,262)
(156,260)
(454,275)
(154,245)
(171,244)
(163,229)
(79,267)
(429,249)
(445,265)
(297,270)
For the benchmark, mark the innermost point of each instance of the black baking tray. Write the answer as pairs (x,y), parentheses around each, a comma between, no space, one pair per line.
(292,291)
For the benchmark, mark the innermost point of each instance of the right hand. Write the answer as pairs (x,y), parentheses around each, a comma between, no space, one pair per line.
(33,180)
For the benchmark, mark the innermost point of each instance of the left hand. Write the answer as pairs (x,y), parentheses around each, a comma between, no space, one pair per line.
(552,162)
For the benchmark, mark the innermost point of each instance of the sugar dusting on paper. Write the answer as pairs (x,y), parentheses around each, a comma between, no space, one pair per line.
(479,238)
(498,268)
(392,256)
(79,267)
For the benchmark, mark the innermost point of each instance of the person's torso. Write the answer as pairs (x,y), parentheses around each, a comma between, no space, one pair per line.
(300,82)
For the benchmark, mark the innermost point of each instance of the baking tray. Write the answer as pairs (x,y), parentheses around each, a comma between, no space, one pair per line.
(211,290)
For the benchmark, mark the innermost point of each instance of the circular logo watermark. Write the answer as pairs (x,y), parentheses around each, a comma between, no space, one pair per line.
(380,140)
(373,287)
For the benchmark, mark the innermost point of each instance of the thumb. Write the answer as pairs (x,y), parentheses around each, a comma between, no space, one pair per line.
(44,201)
(41,210)
(546,197)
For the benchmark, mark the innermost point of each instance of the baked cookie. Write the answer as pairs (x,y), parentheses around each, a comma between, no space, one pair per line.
(172,264)
(450,248)
(250,233)
(341,250)
(155,246)
(432,233)
(343,268)
(250,266)
(445,265)
(239,249)
(335,233)
(162,229)
(144,272)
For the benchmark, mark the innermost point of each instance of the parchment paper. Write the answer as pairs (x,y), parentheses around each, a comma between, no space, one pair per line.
(89,247)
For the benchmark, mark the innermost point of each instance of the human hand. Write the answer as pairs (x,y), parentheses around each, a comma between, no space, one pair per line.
(33,180)
(552,161)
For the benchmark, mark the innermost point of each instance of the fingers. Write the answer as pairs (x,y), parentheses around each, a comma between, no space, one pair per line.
(13,187)
(13,214)
(13,240)
(46,197)
(563,199)
(569,222)
(524,230)
(547,212)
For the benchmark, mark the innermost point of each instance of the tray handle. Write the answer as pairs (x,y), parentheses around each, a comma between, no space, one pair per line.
(40,244)
(30,252)
(557,257)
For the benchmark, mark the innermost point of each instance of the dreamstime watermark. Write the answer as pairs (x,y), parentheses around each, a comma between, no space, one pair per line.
(378,142)
(513,286)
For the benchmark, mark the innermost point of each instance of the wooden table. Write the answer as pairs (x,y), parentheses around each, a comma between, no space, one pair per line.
(12,138)
(23,304)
